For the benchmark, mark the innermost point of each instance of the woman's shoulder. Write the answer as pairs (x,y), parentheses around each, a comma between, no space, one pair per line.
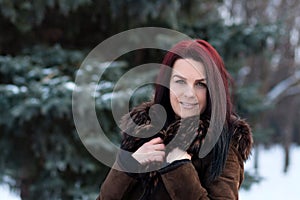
(242,139)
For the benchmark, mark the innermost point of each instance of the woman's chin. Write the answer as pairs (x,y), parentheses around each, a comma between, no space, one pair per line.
(189,114)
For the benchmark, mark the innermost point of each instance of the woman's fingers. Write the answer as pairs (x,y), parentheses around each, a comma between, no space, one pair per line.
(177,154)
(159,158)
(157,140)
(157,153)
(155,144)
(159,147)
(150,151)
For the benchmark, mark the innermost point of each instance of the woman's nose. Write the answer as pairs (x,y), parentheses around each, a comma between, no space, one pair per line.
(189,92)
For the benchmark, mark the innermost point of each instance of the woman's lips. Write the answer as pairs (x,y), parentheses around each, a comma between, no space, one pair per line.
(187,105)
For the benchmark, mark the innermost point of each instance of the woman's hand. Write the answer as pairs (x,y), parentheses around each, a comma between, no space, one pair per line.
(151,151)
(177,154)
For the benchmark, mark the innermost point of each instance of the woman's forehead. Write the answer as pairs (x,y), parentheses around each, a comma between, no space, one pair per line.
(189,68)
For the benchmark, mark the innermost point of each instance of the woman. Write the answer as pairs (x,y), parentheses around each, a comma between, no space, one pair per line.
(187,158)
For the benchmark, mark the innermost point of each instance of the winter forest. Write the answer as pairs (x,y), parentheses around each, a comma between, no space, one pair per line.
(44,42)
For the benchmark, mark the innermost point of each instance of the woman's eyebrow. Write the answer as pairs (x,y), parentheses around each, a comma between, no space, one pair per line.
(178,76)
(201,80)
(181,77)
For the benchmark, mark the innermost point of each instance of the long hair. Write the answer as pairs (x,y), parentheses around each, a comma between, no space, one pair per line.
(201,51)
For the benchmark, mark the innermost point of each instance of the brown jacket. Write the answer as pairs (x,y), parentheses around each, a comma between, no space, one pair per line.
(188,180)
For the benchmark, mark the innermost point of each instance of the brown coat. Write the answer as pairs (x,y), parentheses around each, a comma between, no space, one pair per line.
(188,180)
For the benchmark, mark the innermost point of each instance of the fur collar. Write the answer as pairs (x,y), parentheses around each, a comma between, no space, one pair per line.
(242,137)
(139,125)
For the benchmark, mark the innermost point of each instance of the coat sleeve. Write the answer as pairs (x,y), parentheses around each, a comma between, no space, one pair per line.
(184,183)
(116,184)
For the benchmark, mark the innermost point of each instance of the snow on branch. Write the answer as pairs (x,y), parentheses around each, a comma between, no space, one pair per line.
(282,87)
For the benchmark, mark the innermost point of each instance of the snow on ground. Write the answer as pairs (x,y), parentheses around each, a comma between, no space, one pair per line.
(275,184)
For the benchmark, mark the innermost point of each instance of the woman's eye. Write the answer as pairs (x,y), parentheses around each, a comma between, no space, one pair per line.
(180,81)
(201,84)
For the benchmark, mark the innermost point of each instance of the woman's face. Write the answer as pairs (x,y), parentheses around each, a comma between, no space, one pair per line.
(188,88)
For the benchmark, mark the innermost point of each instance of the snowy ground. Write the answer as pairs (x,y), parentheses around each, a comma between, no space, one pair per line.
(275,185)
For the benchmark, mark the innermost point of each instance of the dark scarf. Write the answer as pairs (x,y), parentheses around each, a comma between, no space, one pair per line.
(187,134)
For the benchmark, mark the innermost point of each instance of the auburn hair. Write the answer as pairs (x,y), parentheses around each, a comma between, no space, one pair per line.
(202,51)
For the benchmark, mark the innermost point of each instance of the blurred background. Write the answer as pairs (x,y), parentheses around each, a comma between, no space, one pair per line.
(43,43)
